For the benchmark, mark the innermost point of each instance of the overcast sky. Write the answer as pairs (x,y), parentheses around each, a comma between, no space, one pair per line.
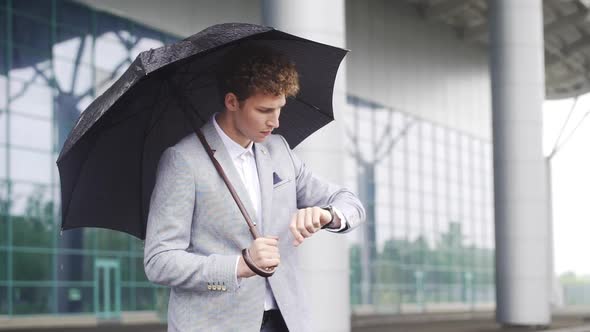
(571,184)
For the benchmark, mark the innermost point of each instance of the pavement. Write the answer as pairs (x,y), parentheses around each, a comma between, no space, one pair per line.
(439,322)
(463,322)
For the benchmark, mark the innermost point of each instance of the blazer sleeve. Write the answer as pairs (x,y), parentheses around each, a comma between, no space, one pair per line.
(313,191)
(167,260)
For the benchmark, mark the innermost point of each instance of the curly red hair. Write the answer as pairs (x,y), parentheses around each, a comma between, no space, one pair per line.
(249,68)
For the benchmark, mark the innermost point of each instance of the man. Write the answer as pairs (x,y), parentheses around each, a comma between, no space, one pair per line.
(195,230)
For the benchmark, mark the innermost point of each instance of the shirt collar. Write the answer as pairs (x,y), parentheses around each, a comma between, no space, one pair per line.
(234,149)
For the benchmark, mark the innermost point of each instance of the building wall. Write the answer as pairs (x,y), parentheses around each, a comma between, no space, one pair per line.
(402,61)
(182,17)
(400,66)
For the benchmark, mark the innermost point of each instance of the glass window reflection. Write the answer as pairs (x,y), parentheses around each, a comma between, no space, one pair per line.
(53,76)
(30,132)
(31,99)
(435,205)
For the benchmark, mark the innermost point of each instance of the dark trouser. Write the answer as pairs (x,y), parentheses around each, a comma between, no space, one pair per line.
(272,321)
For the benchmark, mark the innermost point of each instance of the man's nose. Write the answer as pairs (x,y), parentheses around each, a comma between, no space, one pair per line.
(274,121)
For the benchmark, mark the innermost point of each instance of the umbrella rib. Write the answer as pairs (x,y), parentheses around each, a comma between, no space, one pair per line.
(313,107)
(160,114)
(177,93)
(66,208)
(146,133)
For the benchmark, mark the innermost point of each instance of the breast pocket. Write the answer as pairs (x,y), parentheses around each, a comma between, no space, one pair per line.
(281,183)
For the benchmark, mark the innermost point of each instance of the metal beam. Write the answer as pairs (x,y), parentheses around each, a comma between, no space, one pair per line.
(565,21)
(479,31)
(560,92)
(553,55)
(577,46)
(571,79)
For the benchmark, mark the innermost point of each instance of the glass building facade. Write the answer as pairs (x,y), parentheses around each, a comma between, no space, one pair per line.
(427,188)
(55,58)
(429,237)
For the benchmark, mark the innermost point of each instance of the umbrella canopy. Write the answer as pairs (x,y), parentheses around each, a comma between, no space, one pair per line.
(108,163)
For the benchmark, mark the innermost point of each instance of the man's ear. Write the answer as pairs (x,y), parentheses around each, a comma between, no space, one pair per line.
(232,103)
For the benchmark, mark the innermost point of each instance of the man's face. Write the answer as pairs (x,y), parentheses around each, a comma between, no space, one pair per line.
(256,117)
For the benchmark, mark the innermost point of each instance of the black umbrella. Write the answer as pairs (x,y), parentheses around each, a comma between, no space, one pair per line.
(108,163)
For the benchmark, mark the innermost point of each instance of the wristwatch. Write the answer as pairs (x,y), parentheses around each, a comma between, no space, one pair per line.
(330,209)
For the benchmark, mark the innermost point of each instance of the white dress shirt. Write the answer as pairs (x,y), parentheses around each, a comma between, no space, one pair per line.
(245,163)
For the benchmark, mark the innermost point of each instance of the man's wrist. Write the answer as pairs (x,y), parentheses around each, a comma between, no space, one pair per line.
(243,270)
(334,222)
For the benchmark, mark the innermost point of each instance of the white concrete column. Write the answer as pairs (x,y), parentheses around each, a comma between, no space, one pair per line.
(325,260)
(521,196)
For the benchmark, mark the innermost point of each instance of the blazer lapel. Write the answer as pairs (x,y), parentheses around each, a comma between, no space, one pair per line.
(264,166)
(220,153)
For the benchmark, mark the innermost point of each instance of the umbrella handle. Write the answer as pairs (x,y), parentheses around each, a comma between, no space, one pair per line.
(259,271)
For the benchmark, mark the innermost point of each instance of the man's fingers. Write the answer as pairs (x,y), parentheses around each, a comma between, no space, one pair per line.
(315,219)
(268,250)
(271,264)
(309,221)
(265,252)
(268,261)
(293,227)
(269,241)
(301,216)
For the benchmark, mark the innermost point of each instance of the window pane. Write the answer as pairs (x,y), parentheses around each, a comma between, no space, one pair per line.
(36,8)
(3,86)
(30,132)
(74,267)
(3,252)
(72,46)
(29,266)
(32,99)
(30,166)
(32,300)
(30,200)
(2,28)
(119,56)
(35,228)
(109,240)
(74,16)
(32,33)
(3,159)
(146,299)
(73,79)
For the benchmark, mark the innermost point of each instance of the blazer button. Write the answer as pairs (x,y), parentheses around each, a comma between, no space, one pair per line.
(208,286)
(214,287)
(223,288)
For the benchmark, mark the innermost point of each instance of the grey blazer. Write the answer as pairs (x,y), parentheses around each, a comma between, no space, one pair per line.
(195,233)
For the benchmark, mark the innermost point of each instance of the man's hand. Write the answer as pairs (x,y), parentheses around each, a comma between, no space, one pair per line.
(307,221)
(265,254)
